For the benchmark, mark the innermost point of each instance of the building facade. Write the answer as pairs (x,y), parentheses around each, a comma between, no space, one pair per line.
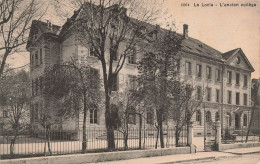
(221,79)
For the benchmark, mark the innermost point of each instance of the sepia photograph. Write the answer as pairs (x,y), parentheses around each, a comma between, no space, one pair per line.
(129,81)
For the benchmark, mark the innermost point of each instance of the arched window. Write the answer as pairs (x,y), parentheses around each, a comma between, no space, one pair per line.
(93,114)
(131,115)
(208,116)
(198,116)
(217,116)
(245,120)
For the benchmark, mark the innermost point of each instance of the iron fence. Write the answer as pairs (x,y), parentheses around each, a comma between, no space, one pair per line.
(69,142)
(239,136)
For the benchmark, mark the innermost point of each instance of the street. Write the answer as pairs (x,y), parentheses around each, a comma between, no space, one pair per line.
(241,159)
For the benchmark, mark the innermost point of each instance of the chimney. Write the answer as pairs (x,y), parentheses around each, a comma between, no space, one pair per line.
(185,31)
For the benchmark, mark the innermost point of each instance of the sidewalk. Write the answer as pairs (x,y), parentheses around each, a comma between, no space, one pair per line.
(242,151)
(231,153)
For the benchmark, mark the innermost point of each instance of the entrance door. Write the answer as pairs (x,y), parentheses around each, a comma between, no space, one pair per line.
(237,121)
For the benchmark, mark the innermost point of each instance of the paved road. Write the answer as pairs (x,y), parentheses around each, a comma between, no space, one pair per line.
(241,159)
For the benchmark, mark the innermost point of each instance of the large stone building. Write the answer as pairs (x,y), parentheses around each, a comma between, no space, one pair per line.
(223,77)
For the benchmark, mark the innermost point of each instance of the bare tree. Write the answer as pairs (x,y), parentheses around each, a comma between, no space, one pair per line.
(158,74)
(129,100)
(112,29)
(184,105)
(75,88)
(18,96)
(15,19)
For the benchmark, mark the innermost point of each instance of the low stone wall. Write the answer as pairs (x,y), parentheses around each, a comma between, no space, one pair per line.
(239,145)
(99,157)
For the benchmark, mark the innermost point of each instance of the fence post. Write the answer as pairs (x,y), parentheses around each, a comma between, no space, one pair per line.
(190,133)
(190,138)
(218,136)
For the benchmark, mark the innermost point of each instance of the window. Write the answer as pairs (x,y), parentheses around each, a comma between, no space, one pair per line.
(93,77)
(132,56)
(208,116)
(229,119)
(245,99)
(237,98)
(149,118)
(245,80)
(217,95)
(32,87)
(198,116)
(229,97)
(208,72)
(93,114)
(40,56)
(41,84)
(188,68)
(198,93)
(217,75)
(36,58)
(198,69)
(131,115)
(115,83)
(5,113)
(36,112)
(245,120)
(132,82)
(217,116)
(36,86)
(229,76)
(208,94)
(237,78)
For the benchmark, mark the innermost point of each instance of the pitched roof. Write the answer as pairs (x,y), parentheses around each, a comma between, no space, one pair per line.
(43,26)
(195,46)
(228,54)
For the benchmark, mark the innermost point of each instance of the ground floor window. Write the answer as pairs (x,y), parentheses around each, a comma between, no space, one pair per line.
(217,116)
(198,116)
(93,115)
(245,120)
(229,119)
(131,115)
(149,118)
(208,116)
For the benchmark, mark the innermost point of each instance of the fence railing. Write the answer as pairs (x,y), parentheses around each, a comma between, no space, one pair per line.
(69,142)
(239,136)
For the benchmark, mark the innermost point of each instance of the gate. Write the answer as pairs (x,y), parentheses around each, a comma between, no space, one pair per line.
(209,136)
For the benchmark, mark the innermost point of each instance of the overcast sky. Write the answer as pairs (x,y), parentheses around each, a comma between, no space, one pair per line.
(223,28)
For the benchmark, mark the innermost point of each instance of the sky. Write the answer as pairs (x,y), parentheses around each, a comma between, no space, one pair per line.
(223,28)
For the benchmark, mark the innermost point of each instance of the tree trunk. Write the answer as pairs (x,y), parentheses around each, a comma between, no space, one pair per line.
(84,141)
(161,135)
(12,146)
(49,140)
(109,125)
(3,62)
(157,136)
(125,140)
(177,137)
(140,131)
(250,123)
